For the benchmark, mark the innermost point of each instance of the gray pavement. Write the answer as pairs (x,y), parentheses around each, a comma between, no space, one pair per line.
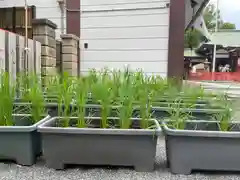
(40,172)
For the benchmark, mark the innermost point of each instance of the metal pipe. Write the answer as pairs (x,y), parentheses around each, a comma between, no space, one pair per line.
(215,45)
(26,37)
(62,18)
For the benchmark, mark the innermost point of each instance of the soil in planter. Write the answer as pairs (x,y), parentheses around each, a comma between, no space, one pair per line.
(162,114)
(23,120)
(208,126)
(96,123)
(185,100)
(21,108)
(91,111)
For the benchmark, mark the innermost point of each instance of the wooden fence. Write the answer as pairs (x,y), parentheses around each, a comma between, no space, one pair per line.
(12,54)
(13,19)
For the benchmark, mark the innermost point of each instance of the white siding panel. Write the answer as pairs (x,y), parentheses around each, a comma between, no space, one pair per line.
(44,9)
(123,21)
(132,12)
(128,44)
(123,56)
(127,32)
(39,3)
(107,2)
(120,33)
(120,4)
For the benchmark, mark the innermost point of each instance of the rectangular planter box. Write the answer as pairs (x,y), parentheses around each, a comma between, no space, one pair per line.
(205,148)
(95,146)
(22,142)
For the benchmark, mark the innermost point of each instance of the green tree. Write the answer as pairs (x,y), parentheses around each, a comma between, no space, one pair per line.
(228,25)
(192,38)
(210,17)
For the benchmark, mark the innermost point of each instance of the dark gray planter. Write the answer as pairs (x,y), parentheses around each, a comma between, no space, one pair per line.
(201,146)
(95,146)
(22,142)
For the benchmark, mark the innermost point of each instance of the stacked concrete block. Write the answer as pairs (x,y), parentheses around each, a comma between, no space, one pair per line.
(59,56)
(70,48)
(44,32)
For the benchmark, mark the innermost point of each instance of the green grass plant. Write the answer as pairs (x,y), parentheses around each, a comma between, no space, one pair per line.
(82,90)
(34,95)
(64,90)
(7,94)
(126,99)
(103,93)
(178,116)
(225,116)
(124,91)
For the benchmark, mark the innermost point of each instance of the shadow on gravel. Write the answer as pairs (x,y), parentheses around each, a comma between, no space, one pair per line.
(216,173)
(112,168)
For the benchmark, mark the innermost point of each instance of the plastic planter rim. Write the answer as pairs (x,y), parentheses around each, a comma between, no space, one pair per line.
(23,128)
(201,133)
(74,130)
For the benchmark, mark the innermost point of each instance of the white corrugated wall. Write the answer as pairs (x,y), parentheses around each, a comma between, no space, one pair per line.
(125,32)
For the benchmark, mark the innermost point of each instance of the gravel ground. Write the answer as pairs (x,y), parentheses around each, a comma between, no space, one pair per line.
(40,172)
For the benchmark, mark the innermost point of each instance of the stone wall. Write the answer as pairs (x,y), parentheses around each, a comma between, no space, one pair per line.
(44,32)
(70,48)
(57,56)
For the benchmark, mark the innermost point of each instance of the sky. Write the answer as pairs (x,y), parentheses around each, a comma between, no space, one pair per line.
(230,11)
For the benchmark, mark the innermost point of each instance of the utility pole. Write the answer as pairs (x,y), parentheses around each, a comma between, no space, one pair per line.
(215,45)
(26,36)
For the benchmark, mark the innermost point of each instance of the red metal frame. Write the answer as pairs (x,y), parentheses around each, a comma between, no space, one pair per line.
(217,76)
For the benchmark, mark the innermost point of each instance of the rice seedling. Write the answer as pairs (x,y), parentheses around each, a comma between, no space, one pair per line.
(7,93)
(34,95)
(224,117)
(91,78)
(82,90)
(126,94)
(64,89)
(22,85)
(145,94)
(159,86)
(116,78)
(49,90)
(178,116)
(102,92)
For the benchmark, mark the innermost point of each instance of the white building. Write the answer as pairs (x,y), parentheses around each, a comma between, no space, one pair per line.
(144,34)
